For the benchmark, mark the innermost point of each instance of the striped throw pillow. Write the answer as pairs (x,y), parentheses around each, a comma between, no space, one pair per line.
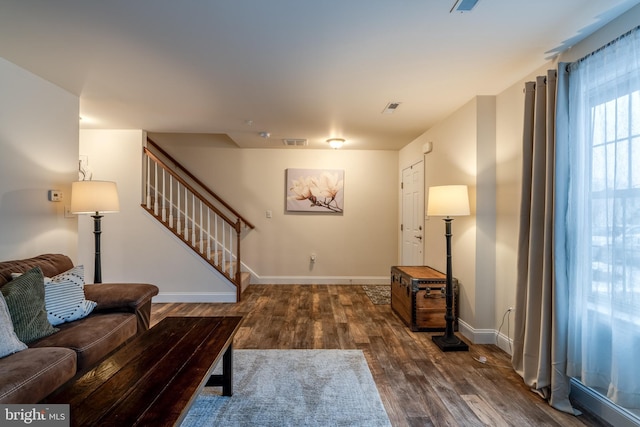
(64,297)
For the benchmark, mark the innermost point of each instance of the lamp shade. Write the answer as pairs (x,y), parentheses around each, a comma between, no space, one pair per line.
(448,200)
(89,197)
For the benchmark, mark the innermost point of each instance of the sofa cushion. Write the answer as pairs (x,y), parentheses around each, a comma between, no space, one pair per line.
(25,300)
(50,264)
(33,374)
(9,342)
(64,297)
(93,337)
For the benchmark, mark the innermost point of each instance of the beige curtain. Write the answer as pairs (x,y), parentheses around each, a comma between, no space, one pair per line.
(539,343)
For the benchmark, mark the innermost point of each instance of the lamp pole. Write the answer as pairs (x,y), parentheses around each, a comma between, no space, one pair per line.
(97,269)
(449,341)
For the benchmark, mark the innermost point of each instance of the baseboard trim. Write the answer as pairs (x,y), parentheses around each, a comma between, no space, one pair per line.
(505,343)
(485,336)
(194,297)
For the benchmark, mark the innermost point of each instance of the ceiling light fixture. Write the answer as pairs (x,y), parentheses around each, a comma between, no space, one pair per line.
(265,135)
(336,143)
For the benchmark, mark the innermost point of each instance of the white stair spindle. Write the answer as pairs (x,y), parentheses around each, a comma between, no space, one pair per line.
(178,222)
(171,201)
(224,249)
(148,183)
(201,222)
(193,219)
(208,233)
(164,197)
(216,239)
(155,184)
(231,266)
(186,215)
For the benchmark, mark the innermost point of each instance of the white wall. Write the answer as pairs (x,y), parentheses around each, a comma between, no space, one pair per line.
(358,246)
(39,152)
(485,213)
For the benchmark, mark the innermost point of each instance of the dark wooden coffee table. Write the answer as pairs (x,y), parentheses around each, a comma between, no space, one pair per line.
(154,379)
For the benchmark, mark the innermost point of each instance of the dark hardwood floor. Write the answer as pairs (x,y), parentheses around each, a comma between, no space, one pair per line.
(419,385)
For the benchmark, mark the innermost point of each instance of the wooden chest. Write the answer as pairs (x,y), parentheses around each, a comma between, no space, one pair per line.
(418,297)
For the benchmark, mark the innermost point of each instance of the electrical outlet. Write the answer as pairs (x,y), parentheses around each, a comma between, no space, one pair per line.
(312,258)
(67,212)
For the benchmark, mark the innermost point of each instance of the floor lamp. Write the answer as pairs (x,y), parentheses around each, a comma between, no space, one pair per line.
(96,198)
(448,201)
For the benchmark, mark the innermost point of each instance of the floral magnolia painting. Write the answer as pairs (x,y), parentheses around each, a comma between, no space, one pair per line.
(315,190)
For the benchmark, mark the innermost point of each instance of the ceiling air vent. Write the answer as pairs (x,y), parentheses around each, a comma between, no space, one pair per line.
(463,6)
(295,142)
(391,107)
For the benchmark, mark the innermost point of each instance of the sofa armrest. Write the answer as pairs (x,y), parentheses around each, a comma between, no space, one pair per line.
(127,297)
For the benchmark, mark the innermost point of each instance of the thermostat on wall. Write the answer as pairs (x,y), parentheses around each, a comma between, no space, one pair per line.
(55,195)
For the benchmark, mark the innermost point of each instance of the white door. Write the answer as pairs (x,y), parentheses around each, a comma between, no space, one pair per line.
(413,214)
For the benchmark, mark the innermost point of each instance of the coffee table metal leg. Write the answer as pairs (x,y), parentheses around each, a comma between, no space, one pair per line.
(227,372)
(226,379)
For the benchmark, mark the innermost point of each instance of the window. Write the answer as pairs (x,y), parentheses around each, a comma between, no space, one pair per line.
(615,205)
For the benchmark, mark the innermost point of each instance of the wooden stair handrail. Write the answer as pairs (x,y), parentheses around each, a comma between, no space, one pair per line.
(197,181)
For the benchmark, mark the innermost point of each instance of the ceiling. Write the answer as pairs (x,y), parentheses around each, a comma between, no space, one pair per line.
(227,70)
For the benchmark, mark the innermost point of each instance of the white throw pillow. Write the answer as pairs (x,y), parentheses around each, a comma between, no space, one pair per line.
(64,297)
(9,342)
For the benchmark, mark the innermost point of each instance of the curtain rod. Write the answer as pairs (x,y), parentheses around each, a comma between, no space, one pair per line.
(612,42)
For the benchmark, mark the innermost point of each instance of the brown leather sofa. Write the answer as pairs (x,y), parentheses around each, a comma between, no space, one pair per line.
(122,312)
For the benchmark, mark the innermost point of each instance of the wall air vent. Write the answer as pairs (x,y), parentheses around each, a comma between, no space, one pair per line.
(391,107)
(295,142)
(463,6)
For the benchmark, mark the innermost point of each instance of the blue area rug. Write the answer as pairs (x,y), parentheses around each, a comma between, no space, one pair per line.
(294,388)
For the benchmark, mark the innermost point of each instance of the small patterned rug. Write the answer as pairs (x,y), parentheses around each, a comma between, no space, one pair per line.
(378,294)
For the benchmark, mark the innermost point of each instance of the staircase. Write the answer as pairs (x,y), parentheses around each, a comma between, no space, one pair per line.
(204,222)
